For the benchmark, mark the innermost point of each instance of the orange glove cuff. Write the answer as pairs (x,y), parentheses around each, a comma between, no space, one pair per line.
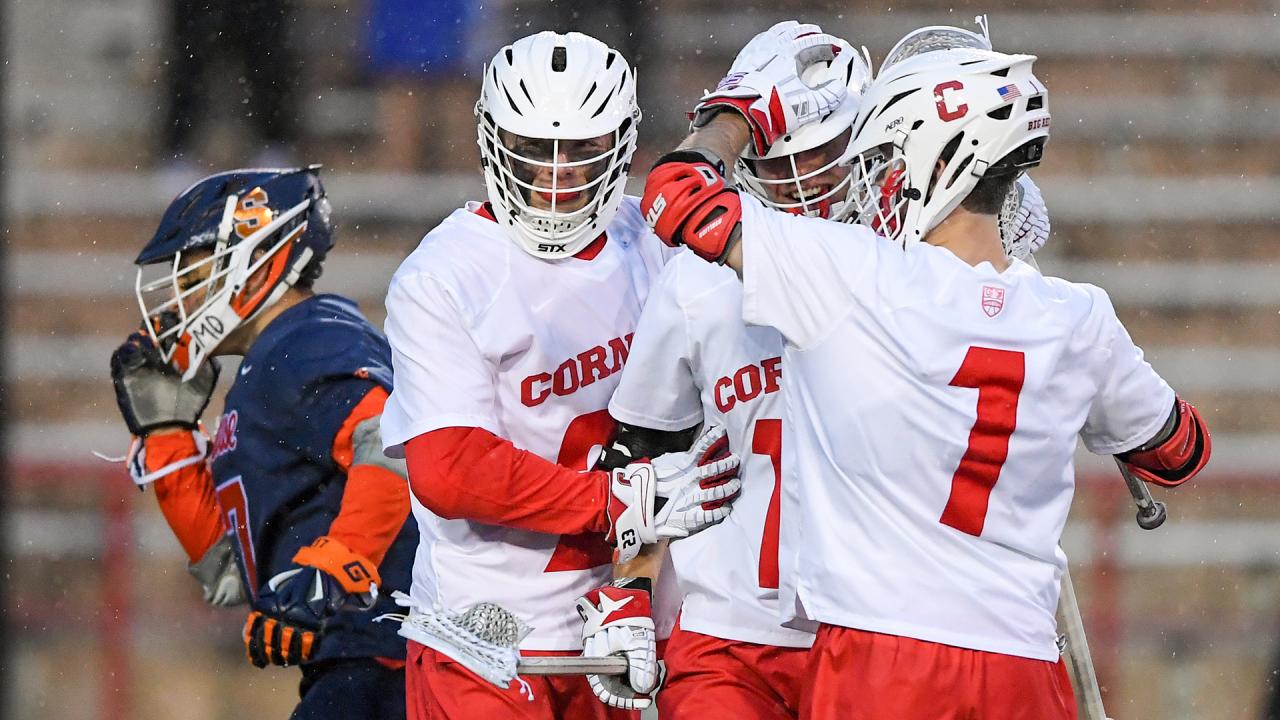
(353,571)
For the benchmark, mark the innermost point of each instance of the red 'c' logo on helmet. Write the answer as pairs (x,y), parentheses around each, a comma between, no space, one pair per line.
(945,111)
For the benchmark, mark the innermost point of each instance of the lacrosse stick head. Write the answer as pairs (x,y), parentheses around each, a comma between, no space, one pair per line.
(494,624)
(484,638)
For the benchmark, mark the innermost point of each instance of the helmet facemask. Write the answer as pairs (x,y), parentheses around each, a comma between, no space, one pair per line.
(881,190)
(814,182)
(554,188)
(193,301)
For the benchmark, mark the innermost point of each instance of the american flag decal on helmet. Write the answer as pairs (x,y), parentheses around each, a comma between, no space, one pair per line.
(1009,92)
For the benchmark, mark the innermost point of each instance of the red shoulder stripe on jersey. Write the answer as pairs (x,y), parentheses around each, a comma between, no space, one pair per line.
(1180,456)
(467,472)
(185,495)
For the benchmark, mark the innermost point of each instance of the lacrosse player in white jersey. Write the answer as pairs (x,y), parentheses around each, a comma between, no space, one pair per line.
(935,388)
(509,325)
(694,360)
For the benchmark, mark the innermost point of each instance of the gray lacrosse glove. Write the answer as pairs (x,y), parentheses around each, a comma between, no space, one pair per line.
(151,393)
(219,575)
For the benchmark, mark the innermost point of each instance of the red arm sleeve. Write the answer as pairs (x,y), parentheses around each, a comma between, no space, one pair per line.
(467,472)
(375,502)
(186,494)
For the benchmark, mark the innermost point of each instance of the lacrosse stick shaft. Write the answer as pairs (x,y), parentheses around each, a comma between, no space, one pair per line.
(1079,661)
(1151,512)
(572,666)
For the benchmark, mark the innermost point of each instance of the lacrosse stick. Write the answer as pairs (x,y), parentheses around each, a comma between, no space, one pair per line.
(1151,512)
(1076,652)
(486,638)
(1151,515)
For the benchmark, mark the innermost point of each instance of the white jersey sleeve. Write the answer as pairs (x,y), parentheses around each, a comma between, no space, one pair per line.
(658,389)
(441,377)
(1133,401)
(800,274)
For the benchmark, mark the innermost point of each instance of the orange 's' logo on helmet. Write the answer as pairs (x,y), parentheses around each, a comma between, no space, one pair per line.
(252,213)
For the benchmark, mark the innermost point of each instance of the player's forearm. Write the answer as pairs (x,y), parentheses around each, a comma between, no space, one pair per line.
(375,505)
(726,136)
(375,501)
(647,564)
(472,474)
(185,495)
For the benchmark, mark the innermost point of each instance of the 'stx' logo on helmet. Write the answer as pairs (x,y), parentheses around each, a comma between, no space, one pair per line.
(252,213)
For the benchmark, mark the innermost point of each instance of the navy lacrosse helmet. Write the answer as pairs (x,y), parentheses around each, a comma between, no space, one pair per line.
(194,277)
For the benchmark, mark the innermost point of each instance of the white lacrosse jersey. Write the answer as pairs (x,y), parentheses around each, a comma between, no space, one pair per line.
(485,335)
(932,408)
(694,360)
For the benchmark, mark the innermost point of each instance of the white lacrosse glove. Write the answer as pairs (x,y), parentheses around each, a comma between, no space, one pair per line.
(764,85)
(1024,220)
(673,496)
(617,620)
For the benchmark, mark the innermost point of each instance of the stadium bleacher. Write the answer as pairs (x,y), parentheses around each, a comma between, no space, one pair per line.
(1162,181)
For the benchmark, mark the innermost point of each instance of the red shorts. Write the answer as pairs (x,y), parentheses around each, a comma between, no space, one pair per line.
(859,675)
(712,678)
(439,688)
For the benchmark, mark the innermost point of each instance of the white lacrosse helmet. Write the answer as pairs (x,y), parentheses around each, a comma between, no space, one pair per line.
(938,37)
(977,111)
(785,170)
(538,92)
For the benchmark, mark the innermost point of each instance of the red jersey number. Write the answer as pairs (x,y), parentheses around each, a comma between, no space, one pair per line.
(998,376)
(584,435)
(766,439)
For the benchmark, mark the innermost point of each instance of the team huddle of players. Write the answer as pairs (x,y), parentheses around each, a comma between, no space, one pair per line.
(821,458)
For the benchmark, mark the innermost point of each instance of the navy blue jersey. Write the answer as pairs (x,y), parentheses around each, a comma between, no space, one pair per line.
(273,464)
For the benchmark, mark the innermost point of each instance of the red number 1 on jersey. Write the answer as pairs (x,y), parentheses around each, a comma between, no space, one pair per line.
(998,376)
(766,439)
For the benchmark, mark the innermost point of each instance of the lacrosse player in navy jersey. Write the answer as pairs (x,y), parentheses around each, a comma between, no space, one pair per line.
(292,506)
